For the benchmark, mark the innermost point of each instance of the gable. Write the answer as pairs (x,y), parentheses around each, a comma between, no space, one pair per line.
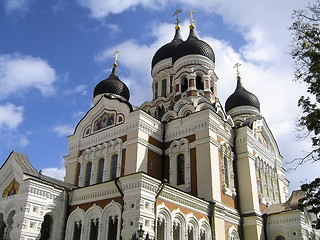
(107,113)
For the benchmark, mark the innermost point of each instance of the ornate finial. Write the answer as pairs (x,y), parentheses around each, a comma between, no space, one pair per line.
(237,65)
(116,58)
(191,18)
(176,13)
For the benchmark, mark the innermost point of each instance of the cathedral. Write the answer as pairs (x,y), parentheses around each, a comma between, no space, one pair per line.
(181,166)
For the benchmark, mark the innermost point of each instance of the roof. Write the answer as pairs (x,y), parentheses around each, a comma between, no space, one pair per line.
(193,46)
(23,162)
(112,85)
(241,97)
(291,204)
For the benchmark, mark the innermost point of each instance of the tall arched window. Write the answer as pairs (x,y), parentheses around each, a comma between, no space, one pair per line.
(184,84)
(46,228)
(226,172)
(160,112)
(164,88)
(190,234)
(88,174)
(7,231)
(112,228)
(77,230)
(199,83)
(94,229)
(180,169)
(100,170)
(176,232)
(202,235)
(113,167)
(160,229)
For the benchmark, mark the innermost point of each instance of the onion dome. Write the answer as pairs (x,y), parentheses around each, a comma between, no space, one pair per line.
(167,50)
(193,46)
(112,85)
(241,97)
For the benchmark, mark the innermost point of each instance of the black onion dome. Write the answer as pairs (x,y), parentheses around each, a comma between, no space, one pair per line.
(193,45)
(112,85)
(167,50)
(241,97)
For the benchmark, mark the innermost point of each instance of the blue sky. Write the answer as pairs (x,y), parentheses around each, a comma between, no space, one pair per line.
(53,53)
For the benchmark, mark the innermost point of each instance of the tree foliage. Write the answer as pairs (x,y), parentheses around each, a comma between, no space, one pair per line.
(306,53)
(312,200)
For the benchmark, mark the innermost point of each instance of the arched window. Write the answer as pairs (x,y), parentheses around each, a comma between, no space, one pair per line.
(77,230)
(160,229)
(164,88)
(184,85)
(202,235)
(160,112)
(176,232)
(7,230)
(112,228)
(261,182)
(100,170)
(226,172)
(113,167)
(190,234)
(280,237)
(2,226)
(46,228)
(199,83)
(267,186)
(88,174)
(94,229)
(180,169)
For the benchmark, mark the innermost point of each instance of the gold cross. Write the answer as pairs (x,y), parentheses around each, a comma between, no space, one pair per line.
(237,65)
(116,56)
(191,16)
(176,13)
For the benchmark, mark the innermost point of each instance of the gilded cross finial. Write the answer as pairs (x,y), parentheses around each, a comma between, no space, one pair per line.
(116,57)
(237,65)
(176,13)
(191,16)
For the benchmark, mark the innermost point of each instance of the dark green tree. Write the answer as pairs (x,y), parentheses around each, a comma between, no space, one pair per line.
(306,54)
(312,200)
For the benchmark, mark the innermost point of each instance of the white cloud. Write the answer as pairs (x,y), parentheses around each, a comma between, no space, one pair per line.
(102,8)
(63,130)
(11,116)
(82,89)
(16,5)
(57,173)
(20,73)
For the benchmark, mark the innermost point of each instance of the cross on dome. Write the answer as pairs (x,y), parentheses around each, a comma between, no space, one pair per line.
(116,57)
(176,13)
(191,17)
(237,65)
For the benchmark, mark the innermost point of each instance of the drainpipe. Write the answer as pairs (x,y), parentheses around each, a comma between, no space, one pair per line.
(212,222)
(66,214)
(161,187)
(122,205)
(264,217)
(163,149)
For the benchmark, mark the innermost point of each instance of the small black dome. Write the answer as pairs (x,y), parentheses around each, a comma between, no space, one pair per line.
(241,97)
(112,85)
(167,50)
(193,45)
